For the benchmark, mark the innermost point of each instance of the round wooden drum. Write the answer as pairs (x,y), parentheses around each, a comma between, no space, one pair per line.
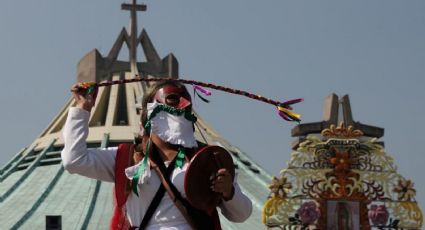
(203,167)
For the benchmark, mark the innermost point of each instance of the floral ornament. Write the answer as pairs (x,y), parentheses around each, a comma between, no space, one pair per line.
(280,187)
(341,161)
(341,131)
(378,214)
(308,212)
(405,190)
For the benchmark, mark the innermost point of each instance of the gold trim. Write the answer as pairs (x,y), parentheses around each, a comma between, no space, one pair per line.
(341,131)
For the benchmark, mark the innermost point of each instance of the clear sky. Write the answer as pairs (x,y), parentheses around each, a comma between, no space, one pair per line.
(372,50)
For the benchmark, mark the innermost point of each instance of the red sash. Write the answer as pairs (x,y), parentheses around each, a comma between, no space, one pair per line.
(119,220)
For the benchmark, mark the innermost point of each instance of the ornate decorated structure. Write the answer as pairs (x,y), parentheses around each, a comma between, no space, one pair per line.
(340,177)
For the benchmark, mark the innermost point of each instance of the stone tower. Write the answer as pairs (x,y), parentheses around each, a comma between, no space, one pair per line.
(36,193)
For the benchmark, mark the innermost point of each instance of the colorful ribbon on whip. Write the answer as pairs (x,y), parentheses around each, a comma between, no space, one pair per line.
(88,86)
(284,108)
(196,89)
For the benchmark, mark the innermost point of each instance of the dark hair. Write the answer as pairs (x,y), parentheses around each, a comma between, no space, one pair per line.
(148,97)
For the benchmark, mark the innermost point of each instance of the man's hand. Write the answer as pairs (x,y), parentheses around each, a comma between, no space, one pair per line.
(223,184)
(84,100)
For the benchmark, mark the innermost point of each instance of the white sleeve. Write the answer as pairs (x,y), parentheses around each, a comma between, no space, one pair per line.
(76,158)
(239,208)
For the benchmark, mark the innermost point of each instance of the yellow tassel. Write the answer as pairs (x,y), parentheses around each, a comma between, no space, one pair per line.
(289,112)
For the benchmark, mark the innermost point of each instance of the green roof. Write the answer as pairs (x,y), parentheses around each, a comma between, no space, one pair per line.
(34,185)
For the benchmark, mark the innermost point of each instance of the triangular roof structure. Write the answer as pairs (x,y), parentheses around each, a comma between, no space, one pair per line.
(340,177)
(36,192)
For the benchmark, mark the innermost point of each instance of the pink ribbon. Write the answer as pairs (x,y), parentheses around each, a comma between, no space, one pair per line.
(202,90)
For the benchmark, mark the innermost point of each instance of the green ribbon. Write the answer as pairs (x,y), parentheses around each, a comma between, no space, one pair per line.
(180,158)
(90,90)
(171,110)
(140,170)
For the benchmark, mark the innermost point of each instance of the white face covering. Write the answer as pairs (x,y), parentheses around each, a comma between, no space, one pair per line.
(173,129)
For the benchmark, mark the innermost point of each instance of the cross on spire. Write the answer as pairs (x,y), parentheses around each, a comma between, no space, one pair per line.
(133,8)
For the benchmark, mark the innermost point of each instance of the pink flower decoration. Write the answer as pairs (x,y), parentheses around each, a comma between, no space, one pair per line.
(308,212)
(378,214)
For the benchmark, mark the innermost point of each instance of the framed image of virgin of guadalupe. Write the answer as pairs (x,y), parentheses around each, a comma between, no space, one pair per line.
(343,215)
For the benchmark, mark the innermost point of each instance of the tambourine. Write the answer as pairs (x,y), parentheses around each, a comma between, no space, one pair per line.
(204,166)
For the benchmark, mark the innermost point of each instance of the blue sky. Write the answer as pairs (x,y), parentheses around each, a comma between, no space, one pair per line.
(372,50)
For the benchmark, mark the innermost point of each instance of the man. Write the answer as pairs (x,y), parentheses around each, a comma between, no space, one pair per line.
(166,141)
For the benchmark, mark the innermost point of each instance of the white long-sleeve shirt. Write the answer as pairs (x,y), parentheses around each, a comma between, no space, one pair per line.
(100,164)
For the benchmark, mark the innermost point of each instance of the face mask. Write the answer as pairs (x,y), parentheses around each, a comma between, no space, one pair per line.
(173,96)
(172,127)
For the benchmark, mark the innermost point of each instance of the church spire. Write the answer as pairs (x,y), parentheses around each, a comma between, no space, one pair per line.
(133,8)
(95,67)
(336,110)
